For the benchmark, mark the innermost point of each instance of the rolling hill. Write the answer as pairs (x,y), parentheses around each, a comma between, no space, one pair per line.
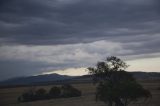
(61,79)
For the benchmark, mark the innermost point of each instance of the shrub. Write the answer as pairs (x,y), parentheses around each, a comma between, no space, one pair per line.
(55,92)
(26,96)
(70,91)
(40,94)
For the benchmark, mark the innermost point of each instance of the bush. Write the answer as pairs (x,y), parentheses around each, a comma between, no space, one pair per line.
(40,94)
(26,96)
(70,91)
(55,92)
(32,95)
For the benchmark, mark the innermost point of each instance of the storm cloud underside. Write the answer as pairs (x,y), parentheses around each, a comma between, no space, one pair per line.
(59,34)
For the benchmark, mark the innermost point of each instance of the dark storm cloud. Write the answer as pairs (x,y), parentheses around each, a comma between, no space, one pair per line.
(40,35)
(14,68)
(38,22)
(17,68)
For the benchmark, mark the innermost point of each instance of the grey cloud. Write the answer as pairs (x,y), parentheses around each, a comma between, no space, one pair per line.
(37,22)
(23,60)
(14,68)
(18,68)
(57,34)
(29,60)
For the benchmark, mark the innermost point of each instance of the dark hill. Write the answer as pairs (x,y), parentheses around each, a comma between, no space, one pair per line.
(48,79)
(33,80)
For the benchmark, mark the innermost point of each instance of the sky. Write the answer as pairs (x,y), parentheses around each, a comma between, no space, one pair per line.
(67,36)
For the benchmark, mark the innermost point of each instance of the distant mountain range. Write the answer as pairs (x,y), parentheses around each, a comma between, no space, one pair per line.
(33,80)
(146,75)
(59,79)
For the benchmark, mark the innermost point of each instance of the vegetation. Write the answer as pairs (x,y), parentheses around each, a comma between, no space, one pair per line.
(69,91)
(55,92)
(9,96)
(115,85)
(40,94)
(27,96)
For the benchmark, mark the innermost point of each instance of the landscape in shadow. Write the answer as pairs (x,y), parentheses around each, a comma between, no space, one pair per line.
(79,52)
(107,83)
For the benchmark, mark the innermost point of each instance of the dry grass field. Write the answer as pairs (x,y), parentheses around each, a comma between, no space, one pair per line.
(8,96)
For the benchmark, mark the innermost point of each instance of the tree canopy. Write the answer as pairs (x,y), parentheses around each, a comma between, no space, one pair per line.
(65,91)
(115,85)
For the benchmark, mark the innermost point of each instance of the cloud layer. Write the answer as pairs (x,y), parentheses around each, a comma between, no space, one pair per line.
(57,34)
(39,22)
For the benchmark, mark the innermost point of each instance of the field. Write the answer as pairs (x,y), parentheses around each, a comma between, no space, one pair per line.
(8,96)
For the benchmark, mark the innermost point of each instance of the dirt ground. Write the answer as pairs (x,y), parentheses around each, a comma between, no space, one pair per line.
(8,96)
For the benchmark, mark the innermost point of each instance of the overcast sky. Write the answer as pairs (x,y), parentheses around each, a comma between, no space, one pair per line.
(41,36)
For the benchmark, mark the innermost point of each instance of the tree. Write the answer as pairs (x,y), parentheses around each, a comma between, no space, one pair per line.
(40,94)
(70,91)
(55,92)
(27,96)
(115,85)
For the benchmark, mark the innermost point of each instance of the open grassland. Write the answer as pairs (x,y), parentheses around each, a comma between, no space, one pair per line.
(8,96)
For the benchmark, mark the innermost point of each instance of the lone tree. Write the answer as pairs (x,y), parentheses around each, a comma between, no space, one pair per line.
(116,86)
